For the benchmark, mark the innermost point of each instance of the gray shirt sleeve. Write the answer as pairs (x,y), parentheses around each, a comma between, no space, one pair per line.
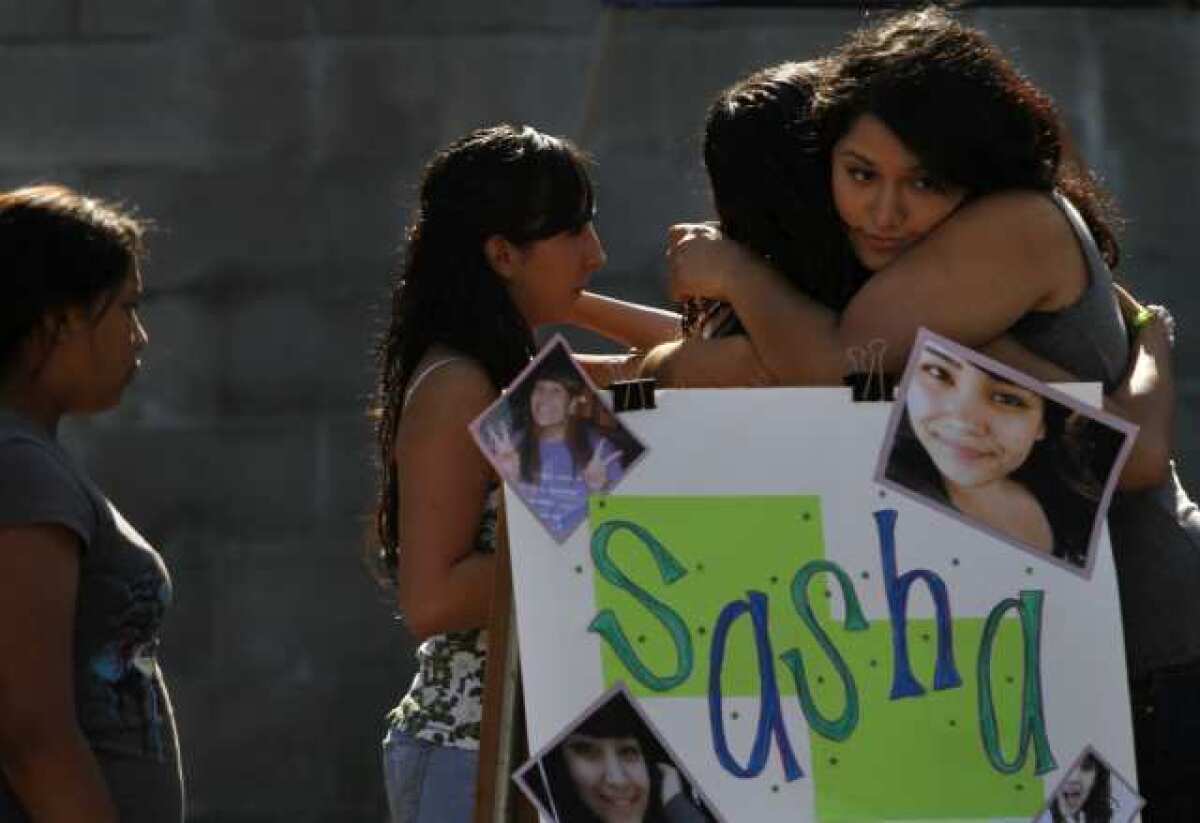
(37,486)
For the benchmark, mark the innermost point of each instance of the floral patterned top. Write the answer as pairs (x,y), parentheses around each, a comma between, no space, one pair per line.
(445,700)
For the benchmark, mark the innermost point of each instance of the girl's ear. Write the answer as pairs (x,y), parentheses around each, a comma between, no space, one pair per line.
(56,325)
(501,255)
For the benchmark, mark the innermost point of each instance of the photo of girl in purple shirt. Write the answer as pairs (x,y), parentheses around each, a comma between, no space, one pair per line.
(554,440)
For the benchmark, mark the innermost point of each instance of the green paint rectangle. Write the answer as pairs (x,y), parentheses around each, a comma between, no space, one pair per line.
(920,758)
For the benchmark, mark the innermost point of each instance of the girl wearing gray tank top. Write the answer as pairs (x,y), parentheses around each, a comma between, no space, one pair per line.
(978,232)
(502,242)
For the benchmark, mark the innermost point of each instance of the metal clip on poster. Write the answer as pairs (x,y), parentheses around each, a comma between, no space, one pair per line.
(633,395)
(867,380)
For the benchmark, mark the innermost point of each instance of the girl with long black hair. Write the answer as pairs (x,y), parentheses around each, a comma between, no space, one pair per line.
(501,243)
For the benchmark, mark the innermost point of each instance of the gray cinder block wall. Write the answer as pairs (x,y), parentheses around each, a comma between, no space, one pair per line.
(277,144)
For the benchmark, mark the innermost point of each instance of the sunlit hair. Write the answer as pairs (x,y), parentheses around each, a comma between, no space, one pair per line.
(59,249)
(511,181)
(963,109)
(770,178)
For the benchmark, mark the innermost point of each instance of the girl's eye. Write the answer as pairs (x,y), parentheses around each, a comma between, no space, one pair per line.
(860,174)
(1010,399)
(937,372)
(927,183)
(584,749)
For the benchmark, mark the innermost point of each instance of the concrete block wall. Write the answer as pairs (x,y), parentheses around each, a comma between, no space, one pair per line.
(277,144)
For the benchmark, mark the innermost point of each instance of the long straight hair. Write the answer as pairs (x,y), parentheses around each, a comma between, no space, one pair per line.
(511,181)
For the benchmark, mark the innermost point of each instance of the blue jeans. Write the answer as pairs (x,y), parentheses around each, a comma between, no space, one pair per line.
(427,783)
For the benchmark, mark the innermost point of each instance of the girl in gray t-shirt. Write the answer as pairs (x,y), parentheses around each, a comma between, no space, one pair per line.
(86,728)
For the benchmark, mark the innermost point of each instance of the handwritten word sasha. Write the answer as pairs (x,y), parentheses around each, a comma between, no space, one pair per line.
(770,731)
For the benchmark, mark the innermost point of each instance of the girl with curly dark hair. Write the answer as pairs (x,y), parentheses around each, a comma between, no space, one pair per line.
(966,213)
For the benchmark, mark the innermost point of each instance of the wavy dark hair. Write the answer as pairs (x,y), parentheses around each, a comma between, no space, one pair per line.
(1066,471)
(556,368)
(511,181)
(59,249)
(1098,806)
(770,178)
(963,109)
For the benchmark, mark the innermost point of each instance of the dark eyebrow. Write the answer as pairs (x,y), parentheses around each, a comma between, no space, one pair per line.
(950,361)
(915,168)
(1006,383)
(852,154)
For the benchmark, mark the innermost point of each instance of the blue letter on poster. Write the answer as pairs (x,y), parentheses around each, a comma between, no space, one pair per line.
(945,675)
(770,717)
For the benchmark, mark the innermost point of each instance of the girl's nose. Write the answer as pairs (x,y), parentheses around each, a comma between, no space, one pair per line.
(888,209)
(971,412)
(614,771)
(596,256)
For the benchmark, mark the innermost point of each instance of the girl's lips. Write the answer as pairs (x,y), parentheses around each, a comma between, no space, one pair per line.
(968,453)
(622,803)
(963,451)
(884,243)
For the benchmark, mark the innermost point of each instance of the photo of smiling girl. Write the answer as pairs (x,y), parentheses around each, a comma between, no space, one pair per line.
(611,768)
(1091,793)
(555,442)
(1000,452)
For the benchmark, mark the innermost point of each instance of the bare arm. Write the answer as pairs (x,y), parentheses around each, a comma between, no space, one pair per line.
(1147,397)
(443,584)
(970,281)
(795,337)
(725,362)
(632,324)
(606,369)
(43,753)
(992,262)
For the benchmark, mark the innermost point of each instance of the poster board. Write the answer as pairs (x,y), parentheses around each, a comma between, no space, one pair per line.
(766,523)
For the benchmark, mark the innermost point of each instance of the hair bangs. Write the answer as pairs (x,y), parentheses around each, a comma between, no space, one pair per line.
(561,197)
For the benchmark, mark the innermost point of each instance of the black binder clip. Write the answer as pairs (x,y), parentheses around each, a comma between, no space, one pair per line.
(633,395)
(866,378)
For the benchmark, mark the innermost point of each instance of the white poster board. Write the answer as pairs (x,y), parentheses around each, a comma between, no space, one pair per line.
(724,565)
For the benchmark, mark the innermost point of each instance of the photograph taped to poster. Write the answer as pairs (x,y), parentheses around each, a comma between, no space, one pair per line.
(1092,791)
(1003,452)
(815,647)
(610,763)
(551,437)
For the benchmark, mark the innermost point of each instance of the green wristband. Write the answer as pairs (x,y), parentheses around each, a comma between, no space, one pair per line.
(1145,317)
